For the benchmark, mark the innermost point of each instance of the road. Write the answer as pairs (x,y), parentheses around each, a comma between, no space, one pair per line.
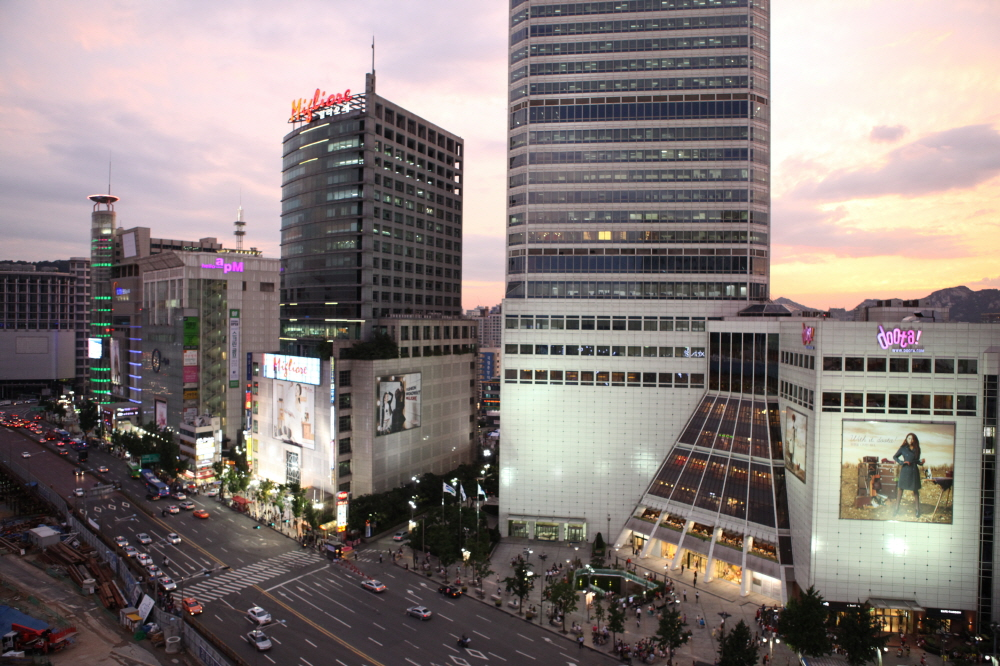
(321,614)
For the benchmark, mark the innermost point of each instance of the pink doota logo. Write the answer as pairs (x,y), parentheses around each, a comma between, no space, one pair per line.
(897,337)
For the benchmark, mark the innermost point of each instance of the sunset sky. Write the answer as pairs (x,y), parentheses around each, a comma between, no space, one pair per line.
(885,126)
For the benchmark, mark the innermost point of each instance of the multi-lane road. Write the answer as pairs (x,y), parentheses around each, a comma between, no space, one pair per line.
(320,613)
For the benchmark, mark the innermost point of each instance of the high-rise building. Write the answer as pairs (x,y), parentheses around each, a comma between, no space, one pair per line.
(371,221)
(638,204)
(102,234)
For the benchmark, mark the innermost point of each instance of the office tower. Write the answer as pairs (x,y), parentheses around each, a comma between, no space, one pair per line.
(638,137)
(102,233)
(371,220)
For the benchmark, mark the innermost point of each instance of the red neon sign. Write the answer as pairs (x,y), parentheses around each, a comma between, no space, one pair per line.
(303,109)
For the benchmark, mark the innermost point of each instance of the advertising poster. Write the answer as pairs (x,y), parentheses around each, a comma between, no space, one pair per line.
(894,470)
(160,413)
(291,368)
(234,348)
(398,403)
(191,366)
(293,416)
(94,348)
(116,362)
(795,433)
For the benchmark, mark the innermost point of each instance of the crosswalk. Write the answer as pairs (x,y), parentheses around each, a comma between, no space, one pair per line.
(235,580)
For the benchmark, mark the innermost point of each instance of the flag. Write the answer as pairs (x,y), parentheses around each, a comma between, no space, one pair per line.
(480,491)
(448,489)
(462,490)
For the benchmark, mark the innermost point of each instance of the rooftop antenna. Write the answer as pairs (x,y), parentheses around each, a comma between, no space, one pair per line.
(109,172)
(240,224)
(373,55)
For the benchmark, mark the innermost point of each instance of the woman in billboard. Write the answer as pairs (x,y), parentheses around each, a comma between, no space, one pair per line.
(385,416)
(908,458)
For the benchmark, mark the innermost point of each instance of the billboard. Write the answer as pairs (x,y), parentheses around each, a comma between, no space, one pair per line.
(293,413)
(95,348)
(398,403)
(292,368)
(160,413)
(897,470)
(116,362)
(795,436)
(234,348)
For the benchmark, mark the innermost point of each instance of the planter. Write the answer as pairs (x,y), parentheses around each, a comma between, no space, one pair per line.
(465,589)
(529,615)
(498,602)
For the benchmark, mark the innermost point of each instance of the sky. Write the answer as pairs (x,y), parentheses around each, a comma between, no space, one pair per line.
(885,126)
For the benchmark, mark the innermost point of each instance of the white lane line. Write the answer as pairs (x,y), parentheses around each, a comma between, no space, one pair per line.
(526,655)
(289,581)
(275,640)
(526,638)
(227,603)
(498,656)
(379,626)
(445,617)
(310,643)
(217,617)
(412,662)
(305,662)
(270,660)
(341,663)
(372,640)
(483,635)
(483,618)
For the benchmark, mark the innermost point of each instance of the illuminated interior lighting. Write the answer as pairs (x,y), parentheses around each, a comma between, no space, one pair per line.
(313,143)
(307,161)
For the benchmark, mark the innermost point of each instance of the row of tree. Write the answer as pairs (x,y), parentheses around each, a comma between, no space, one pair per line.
(809,628)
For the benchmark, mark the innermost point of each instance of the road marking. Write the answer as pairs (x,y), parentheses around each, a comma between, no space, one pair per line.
(526,638)
(445,617)
(483,618)
(483,635)
(270,660)
(218,618)
(498,656)
(379,626)
(372,640)
(275,640)
(526,655)
(311,643)
(305,662)
(412,662)
(341,663)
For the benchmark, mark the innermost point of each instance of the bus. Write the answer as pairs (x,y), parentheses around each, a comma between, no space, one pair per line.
(133,469)
(154,486)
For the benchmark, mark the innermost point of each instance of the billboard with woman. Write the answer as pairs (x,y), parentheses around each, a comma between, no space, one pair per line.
(398,403)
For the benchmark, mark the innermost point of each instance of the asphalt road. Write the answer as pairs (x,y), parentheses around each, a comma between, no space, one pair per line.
(321,613)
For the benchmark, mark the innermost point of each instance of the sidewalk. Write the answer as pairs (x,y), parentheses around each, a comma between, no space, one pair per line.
(713,598)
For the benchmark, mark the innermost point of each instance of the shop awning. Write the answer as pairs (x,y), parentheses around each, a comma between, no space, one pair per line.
(240,500)
(895,604)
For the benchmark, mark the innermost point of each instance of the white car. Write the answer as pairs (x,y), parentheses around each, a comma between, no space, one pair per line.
(180,496)
(373,585)
(258,615)
(212,491)
(187,505)
(174,538)
(144,559)
(401,536)
(167,584)
(143,538)
(25,454)
(173,509)
(130,551)
(121,541)
(259,640)
(154,571)
(78,492)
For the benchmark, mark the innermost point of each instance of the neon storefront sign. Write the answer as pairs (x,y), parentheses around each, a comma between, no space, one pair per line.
(226,267)
(897,337)
(304,110)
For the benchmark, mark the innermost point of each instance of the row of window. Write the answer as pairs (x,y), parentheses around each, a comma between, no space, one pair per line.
(626,45)
(613,156)
(638,135)
(806,361)
(605,378)
(417,253)
(607,350)
(900,403)
(419,238)
(638,290)
(618,86)
(408,267)
(586,113)
(417,299)
(603,323)
(412,144)
(946,366)
(435,350)
(637,25)
(329,129)
(633,196)
(419,192)
(392,117)
(739,265)
(648,216)
(668,236)
(618,6)
(313,215)
(401,170)
(412,160)
(434,332)
(587,177)
(635,65)
(800,395)
(407,283)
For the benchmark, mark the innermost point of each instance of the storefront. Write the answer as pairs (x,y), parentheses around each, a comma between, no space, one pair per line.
(731,573)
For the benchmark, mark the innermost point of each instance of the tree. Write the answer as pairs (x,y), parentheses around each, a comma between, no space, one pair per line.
(598,608)
(736,648)
(89,416)
(803,625)
(671,634)
(520,584)
(562,596)
(480,559)
(380,346)
(616,618)
(859,635)
(299,502)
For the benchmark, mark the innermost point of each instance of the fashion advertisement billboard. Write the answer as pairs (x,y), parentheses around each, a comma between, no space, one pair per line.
(398,403)
(160,413)
(116,362)
(795,435)
(897,470)
(293,415)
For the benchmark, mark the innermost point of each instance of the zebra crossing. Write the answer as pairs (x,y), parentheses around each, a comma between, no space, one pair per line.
(235,580)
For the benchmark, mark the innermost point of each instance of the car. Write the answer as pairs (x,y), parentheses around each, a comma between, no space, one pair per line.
(373,585)
(130,551)
(259,640)
(144,538)
(258,615)
(401,536)
(78,492)
(63,452)
(191,606)
(121,541)
(25,454)
(178,495)
(187,505)
(103,469)
(212,491)
(450,591)
(154,571)
(144,559)
(174,538)
(201,513)
(173,509)
(167,584)
(421,612)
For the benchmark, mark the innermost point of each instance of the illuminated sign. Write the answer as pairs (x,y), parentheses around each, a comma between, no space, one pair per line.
(897,337)
(234,348)
(226,267)
(307,110)
(696,352)
(342,511)
(292,368)
(95,348)
(121,291)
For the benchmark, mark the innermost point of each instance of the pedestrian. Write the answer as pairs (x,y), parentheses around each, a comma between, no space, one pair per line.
(579,641)
(685,595)
(380,558)
(696,579)
(697,596)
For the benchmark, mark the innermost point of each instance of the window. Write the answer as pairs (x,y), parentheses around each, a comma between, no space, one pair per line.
(966,405)
(898,403)
(853,402)
(526,349)
(968,366)
(345,400)
(876,364)
(854,364)
(875,402)
(831,402)
(920,404)
(510,374)
(920,365)
(541,349)
(344,378)
(833,364)
(899,364)
(944,404)
(344,423)
(510,349)
(944,366)
(344,445)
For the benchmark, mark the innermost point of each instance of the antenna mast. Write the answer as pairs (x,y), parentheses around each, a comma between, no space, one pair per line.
(240,232)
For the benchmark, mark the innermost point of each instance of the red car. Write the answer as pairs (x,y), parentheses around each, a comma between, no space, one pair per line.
(201,513)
